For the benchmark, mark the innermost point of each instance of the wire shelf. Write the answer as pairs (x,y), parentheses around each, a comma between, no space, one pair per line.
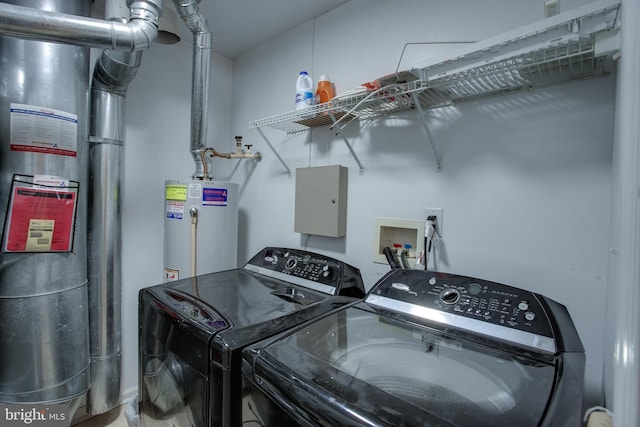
(343,110)
(362,106)
(559,49)
(573,60)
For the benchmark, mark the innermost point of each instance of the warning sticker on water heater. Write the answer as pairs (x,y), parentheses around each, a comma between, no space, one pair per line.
(177,192)
(175,209)
(43,130)
(214,196)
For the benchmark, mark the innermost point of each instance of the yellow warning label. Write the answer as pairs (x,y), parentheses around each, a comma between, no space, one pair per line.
(176,192)
(40,234)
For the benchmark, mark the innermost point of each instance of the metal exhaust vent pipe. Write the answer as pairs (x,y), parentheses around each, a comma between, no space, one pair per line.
(112,74)
(197,24)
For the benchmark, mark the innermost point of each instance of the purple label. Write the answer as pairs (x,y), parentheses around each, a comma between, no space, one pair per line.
(214,196)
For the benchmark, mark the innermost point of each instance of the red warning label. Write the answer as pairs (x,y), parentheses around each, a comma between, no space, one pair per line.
(40,220)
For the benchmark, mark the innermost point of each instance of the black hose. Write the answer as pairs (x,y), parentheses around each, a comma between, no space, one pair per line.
(403,258)
(392,258)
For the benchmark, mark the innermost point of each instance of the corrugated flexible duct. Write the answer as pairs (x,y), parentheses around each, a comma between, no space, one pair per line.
(41,383)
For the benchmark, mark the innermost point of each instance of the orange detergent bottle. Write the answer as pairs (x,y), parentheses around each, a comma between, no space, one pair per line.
(325,90)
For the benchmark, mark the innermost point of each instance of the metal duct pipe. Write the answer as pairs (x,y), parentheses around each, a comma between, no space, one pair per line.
(42,25)
(43,297)
(112,74)
(197,24)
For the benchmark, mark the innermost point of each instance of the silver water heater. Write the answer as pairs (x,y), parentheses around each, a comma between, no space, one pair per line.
(200,228)
(44,341)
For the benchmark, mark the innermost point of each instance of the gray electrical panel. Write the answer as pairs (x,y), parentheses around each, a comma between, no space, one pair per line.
(321,201)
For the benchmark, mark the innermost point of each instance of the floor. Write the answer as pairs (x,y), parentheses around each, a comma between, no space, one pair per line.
(113,418)
(118,417)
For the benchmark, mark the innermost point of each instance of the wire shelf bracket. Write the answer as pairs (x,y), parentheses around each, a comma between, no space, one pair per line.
(274,150)
(423,120)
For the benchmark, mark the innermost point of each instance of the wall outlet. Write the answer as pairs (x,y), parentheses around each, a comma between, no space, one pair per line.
(437,212)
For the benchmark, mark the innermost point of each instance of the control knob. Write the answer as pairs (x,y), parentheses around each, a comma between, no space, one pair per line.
(449,296)
(327,272)
(291,263)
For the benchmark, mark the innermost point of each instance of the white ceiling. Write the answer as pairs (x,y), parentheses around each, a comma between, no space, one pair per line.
(238,26)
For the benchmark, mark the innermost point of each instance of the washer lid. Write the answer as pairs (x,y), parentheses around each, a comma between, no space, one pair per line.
(386,371)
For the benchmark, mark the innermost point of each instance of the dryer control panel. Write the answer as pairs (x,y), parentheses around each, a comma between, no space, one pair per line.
(185,307)
(308,269)
(476,305)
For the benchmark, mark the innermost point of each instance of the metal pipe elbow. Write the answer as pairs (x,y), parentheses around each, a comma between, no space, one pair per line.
(137,34)
(143,33)
(142,28)
(190,14)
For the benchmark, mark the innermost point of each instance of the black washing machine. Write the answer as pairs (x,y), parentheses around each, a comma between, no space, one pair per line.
(192,331)
(422,349)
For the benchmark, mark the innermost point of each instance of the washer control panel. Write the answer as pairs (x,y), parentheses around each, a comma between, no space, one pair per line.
(309,269)
(482,302)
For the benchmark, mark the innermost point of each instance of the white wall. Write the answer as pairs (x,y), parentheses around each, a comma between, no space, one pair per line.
(525,182)
(526,178)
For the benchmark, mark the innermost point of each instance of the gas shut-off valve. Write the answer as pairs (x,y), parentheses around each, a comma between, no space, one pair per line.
(240,153)
(244,153)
